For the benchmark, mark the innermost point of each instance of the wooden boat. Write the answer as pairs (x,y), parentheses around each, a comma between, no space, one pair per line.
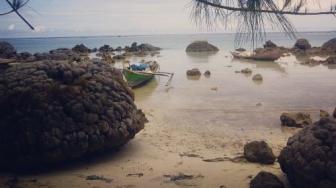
(138,78)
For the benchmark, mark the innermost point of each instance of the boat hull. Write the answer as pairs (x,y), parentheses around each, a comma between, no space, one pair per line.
(136,79)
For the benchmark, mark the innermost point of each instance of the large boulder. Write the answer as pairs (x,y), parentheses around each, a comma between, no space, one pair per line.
(295,119)
(334,113)
(81,49)
(302,44)
(201,46)
(309,159)
(266,180)
(7,50)
(259,152)
(329,46)
(270,44)
(52,112)
(267,54)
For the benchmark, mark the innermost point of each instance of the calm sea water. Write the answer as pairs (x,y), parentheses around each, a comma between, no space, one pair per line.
(287,85)
(223,41)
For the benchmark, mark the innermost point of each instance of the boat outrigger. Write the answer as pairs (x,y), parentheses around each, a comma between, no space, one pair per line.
(139,74)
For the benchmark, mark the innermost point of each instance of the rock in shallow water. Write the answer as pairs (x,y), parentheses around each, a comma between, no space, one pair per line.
(259,152)
(194,72)
(266,180)
(201,46)
(299,119)
(52,112)
(309,159)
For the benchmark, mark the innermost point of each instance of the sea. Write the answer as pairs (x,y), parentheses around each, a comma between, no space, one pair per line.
(224,41)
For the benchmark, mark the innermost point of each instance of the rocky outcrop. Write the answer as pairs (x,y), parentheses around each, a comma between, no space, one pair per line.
(51,112)
(329,46)
(25,57)
(81,49)
(259,152)
(194,72)
(266,180)
(201,46)
(270,44)
(302,44)
(7,50)
(309,159)
(105,48)
(143,48)
(60,54)
(299,119)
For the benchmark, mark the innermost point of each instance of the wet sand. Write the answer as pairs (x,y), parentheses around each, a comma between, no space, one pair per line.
(189,123)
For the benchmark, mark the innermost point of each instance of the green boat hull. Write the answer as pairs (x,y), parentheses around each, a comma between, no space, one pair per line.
(135,79)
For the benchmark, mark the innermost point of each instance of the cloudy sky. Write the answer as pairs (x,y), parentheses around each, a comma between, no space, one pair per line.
(121,17)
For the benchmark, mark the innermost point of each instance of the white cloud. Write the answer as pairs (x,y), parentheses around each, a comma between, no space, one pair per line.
(11,27)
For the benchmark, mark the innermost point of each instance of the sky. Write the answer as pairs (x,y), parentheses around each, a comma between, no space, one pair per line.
(53,18)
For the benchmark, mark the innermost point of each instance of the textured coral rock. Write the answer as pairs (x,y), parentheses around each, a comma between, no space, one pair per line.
(266,180)
(53,112)
(309,159)
(259,152)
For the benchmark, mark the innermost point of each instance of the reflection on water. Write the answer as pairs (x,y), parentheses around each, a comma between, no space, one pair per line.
(145,92)
(200,57)
(262,64)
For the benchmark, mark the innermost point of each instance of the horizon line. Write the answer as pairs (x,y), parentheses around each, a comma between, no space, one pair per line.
(144,35)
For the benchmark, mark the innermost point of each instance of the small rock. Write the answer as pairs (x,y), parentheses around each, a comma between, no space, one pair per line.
(259,104)
(259,152)
(334,114)
(270,44)
(246,71)
(299,119)
(240,49)
(324,114)
(257,77)
(98,178)
(207,73)
(194,72)
(266,180)
(214,88)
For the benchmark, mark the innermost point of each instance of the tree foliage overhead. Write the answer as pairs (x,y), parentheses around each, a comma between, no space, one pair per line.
(15,5)
(251,16)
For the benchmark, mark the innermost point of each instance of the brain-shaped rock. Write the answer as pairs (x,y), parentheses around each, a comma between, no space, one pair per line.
(52,112)
(309,159)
